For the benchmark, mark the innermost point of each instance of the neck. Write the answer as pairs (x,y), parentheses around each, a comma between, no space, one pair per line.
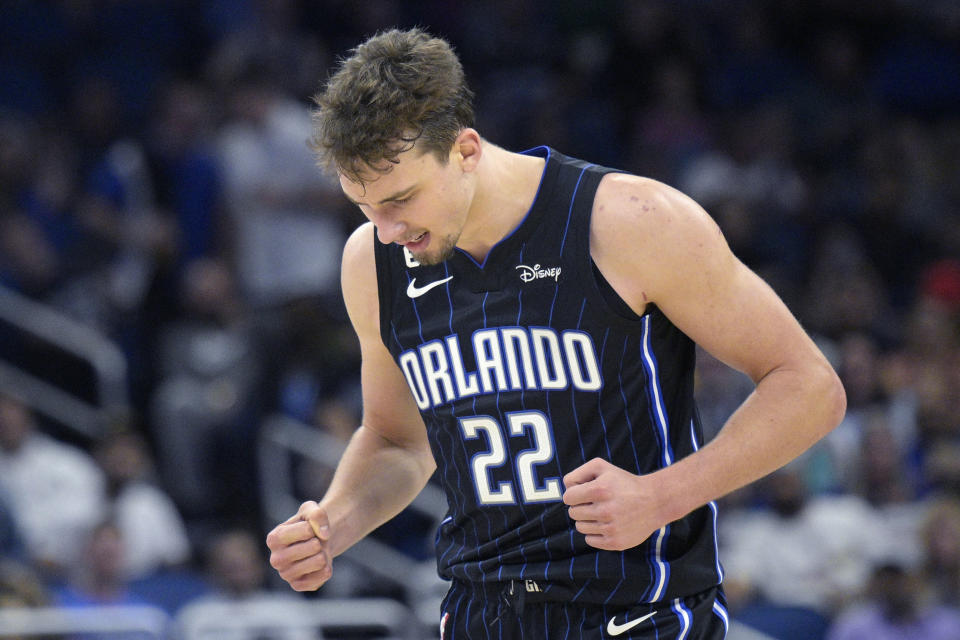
(506,187)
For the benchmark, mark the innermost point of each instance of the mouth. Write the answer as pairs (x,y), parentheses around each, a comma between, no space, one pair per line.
(418,242)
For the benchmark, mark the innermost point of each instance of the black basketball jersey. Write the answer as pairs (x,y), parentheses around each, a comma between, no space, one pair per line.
(528,365)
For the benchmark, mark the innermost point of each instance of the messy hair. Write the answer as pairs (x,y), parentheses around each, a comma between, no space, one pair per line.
(396,90)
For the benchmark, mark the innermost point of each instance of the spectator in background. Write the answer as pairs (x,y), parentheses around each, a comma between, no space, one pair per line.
(27,262)
(940,536)
(896,609)
(283,212)
(98,579)
(98,575)
(40,238)
(672,130)
(37,229)
(127,240)
(16,156)
(56,490)
(875,397)
(236,566)
(880,475)
(206,406)
(11,542)
(845,293)
(315,356)
(185,169)
(273,32)
(800,550)
(932,334)
(239,604)
(154,534)
(20,586)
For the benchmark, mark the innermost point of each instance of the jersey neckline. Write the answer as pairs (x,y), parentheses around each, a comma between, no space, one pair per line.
(531,219)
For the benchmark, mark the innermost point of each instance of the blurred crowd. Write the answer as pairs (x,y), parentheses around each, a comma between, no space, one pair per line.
(156,185)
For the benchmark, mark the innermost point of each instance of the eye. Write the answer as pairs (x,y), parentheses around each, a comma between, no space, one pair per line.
(402,201)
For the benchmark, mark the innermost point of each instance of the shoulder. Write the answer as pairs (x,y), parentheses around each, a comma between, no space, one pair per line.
(358,278)
(646,208)
(358,249)
(645,235)
(359,262)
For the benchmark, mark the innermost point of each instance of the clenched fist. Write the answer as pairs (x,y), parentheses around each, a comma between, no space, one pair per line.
(613,508)
(299,548)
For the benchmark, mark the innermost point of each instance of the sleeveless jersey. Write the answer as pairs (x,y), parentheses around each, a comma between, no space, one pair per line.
(528,365)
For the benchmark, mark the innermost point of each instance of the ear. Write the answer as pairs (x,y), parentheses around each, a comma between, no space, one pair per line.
(467,149)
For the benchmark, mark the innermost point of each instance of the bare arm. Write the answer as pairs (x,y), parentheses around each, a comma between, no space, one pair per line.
(388,460)
(655,245)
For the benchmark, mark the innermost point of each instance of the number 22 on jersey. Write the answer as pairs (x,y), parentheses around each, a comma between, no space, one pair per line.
(519,423)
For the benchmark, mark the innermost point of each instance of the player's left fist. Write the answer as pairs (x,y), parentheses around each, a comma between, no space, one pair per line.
(613,508)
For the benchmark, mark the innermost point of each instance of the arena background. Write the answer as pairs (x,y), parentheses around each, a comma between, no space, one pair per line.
(176,372)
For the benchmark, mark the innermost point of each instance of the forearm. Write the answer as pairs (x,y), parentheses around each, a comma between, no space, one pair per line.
(374,481)
(787,412)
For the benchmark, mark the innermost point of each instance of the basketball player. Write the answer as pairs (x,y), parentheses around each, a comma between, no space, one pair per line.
(527,325)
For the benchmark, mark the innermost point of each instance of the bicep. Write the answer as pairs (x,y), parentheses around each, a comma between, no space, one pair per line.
(666,250)
(737,317)
(388,405)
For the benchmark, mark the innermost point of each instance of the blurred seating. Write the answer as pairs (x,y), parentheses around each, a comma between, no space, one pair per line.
(149,623)
(784,622)
(289,618)
(155,187)
(170,589)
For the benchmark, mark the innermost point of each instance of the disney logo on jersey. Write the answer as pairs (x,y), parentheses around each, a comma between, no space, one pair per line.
(536,272)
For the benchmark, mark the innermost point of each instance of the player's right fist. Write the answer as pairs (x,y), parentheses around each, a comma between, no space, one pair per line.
(298,548)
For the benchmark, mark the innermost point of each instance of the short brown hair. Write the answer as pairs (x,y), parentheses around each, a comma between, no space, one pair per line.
(396,90)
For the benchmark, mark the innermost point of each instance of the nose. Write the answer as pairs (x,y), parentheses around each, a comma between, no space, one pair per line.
(388,230)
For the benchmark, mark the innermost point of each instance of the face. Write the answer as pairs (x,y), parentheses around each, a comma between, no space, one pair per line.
(15,423)
(105,553)
(237,564)
(420,203)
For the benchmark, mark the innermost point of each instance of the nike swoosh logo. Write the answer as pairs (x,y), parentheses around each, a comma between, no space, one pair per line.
(615,629)
(415,292)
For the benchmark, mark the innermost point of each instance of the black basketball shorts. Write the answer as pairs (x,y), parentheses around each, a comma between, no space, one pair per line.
(526,609)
